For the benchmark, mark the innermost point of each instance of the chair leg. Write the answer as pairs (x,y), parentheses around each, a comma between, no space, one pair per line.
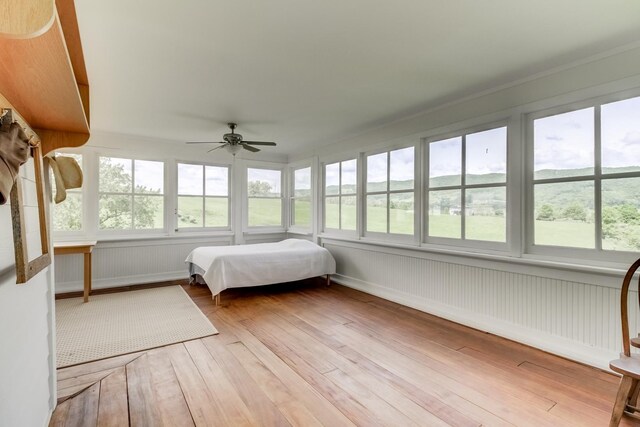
(621,400)
(633,395)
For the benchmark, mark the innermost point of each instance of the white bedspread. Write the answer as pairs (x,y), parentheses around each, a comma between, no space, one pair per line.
(261,264)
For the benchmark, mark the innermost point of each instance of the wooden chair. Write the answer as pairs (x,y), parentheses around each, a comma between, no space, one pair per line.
(628,365)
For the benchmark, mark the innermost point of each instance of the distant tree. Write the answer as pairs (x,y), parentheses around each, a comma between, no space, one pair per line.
(629,214)
(259,188)
(575,212)
(546,213)
(116,210)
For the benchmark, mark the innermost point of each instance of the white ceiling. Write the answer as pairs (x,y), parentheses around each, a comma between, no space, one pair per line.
(307,73)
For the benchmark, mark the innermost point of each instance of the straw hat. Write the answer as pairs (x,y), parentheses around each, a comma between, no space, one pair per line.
(67,174)
(14,152)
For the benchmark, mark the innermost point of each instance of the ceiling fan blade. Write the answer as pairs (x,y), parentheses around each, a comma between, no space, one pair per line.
(260,143)
(206,142)
(215,148)
(250,148)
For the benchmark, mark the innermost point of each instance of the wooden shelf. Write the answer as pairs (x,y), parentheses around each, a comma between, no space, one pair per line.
(44,79)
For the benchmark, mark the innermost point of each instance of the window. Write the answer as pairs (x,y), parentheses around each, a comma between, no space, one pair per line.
(131,194)
(203,196)
(389,194)
(264,197)
(586,175)
(301,208)
(67,215)
(340,195)
(470,168)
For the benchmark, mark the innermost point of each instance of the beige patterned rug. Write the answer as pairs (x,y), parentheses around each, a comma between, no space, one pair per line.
(126,322)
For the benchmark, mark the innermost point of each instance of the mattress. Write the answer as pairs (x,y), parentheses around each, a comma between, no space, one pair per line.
(224,267)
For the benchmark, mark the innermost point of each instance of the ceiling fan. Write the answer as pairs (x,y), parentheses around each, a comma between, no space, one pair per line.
(234,143)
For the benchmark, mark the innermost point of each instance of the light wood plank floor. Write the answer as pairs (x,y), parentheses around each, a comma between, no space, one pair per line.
(308,355)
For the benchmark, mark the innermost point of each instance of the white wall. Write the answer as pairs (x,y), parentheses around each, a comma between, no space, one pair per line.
(27,368)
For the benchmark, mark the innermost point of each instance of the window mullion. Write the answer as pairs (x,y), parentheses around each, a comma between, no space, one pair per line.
(597,202)
(388,189)
(133,191)
(463,207)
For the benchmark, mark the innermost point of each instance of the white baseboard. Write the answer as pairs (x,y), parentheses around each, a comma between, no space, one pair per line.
(592,356)
(114,282)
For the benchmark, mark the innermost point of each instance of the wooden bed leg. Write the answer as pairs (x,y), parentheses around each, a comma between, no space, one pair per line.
(328,280)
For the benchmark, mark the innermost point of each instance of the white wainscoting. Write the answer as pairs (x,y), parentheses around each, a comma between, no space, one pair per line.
(131,262)
(571,314)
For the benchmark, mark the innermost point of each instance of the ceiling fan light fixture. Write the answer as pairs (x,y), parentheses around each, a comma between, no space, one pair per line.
(234,149)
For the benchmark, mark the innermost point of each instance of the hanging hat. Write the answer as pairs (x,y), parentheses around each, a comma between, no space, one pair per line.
(14,152)
(67,174)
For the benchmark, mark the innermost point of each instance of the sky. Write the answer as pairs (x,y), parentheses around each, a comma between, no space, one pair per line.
(486,153)
(190,180)
(401,165)
(273,177)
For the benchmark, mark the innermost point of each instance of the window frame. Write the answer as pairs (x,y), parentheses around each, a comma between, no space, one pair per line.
(463,132)
(293,167)
(396,237)
(322,203)
(130,231)
(551,251)
(283,197)
(229,196)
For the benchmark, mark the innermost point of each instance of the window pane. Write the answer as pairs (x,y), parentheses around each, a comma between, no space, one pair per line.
(445,162)
(265,212)
(620,214)
(332,212)
(349,178)
(486,157)
(377,213)
(217,180)
(189,211)
(302,182)
(115,175)
(190,179)
(485,210)
(301,212)
(377,173)
(115,212)
(149,177)
(401,213)
(621,136)
(67,216)
(263,182)
(348,209)
(332,179)
(564,214)
(401,173)
(445,214)
(216,212)
(564,145)
(148,212)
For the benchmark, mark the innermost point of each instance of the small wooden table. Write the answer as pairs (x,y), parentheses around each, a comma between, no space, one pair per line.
(67,248)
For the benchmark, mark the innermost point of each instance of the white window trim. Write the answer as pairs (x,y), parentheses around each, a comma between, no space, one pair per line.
(106,234)
(429,241)
(565,252)
(358,195)
(292,168)
(284,217)
(395,237)
(230,209)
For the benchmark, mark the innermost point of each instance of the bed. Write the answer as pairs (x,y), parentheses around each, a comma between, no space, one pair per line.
(223,267)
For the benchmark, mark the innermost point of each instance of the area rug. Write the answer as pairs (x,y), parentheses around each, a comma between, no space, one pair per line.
(126,322)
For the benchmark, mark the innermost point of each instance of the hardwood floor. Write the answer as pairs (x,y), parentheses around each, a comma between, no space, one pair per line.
(306,355)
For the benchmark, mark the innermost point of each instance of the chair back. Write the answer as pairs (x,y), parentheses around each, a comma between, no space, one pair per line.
(626,344)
